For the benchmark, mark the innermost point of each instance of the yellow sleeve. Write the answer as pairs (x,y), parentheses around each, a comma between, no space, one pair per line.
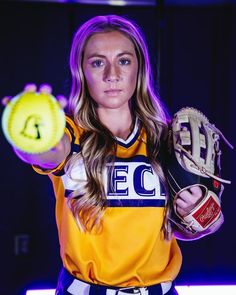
(73,133)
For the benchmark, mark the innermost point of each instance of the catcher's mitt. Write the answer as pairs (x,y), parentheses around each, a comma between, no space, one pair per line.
(194,159)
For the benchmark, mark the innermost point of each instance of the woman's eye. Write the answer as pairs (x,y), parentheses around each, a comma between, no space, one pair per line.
(124,61)
(97,63)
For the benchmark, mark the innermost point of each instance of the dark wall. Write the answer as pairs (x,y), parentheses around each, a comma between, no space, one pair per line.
(194,50)
(198,69)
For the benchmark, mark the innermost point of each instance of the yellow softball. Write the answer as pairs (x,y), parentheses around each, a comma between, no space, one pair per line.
(33,122)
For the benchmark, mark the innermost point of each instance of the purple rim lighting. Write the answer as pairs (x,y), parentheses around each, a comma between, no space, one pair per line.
(182,290)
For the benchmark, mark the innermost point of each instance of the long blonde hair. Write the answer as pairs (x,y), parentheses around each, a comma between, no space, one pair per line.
(97,143)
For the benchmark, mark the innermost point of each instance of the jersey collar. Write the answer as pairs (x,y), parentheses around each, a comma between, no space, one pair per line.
(132,137)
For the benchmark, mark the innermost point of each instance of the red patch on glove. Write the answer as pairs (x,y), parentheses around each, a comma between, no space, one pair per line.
(207,212)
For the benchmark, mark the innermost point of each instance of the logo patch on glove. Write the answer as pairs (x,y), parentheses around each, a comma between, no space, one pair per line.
(207,213)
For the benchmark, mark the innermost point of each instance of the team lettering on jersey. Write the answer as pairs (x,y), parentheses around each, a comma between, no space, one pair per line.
(128,182)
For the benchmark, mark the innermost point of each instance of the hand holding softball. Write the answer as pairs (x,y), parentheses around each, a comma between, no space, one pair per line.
(34,122)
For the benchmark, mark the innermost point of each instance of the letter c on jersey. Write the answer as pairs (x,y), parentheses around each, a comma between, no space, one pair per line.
(118,185)
(139,181)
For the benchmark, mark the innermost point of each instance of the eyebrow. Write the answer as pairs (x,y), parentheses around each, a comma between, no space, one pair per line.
(103,56)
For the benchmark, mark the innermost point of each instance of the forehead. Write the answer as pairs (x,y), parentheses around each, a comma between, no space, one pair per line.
(107,42)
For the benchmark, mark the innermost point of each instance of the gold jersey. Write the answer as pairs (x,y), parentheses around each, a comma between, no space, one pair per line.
(130,250)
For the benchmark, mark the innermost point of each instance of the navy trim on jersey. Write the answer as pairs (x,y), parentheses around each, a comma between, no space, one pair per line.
(130,143)
(67,192)
(135,203)
(59,172)
(66,280)
(132,138)
(74,147)
(128,202)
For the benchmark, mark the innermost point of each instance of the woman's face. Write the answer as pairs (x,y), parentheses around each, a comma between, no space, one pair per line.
(110,67)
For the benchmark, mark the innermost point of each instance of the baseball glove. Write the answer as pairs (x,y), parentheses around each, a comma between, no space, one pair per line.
(194,159)
(32,121)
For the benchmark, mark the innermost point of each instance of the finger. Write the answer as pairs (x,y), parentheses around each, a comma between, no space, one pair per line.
(196,191)
(181,203)
(181,211)
(185,195)
(45,88)
(186,198)
(30,87)
(191,195)
(5,100)
(183,208)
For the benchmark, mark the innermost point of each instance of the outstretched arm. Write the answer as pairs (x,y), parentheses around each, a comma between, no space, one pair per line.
(50,159)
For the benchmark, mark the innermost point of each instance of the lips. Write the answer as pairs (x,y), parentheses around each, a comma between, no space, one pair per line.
(113,92)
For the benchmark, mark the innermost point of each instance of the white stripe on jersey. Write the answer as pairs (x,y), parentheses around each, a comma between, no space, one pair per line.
(130,179)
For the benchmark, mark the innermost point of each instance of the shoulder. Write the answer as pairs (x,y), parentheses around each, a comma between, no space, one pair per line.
(73,131)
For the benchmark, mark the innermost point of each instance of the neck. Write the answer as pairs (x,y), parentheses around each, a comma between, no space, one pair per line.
(119,123)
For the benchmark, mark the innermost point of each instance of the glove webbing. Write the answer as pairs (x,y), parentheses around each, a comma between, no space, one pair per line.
(199,167)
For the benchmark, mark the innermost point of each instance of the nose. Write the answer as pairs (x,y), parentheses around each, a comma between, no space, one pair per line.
(112,73)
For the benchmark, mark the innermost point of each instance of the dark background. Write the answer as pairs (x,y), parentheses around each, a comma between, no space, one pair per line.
(192,50)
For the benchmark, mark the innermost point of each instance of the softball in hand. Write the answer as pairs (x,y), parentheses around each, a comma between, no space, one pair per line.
(33,122)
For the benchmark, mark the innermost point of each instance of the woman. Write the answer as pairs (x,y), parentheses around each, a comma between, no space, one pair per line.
(111,193)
